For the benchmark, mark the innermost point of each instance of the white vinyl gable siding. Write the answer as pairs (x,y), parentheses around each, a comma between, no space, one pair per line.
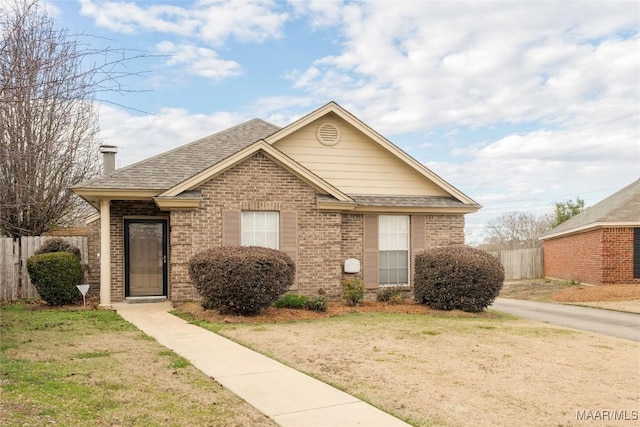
(356,164)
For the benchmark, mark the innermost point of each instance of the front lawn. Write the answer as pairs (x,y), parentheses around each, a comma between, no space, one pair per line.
(82,367)
(432,369)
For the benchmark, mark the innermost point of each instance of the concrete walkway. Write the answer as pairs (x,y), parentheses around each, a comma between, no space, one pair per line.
(607,322)
(287,396)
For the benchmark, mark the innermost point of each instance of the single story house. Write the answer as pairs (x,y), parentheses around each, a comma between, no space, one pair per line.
(601,245)
(324,189)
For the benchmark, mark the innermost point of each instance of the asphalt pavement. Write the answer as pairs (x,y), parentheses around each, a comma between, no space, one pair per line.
(607,322)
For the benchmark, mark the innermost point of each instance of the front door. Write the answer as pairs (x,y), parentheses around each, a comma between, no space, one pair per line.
(145,257)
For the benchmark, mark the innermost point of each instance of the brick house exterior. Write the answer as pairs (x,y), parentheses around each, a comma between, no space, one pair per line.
(599,246)
(201,192)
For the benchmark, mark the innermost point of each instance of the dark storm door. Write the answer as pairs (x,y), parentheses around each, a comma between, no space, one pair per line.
(145,265)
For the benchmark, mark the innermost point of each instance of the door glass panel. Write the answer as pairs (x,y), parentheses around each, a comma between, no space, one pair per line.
(145,259)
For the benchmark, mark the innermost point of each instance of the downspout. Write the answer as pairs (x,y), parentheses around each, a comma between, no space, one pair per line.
(108,165)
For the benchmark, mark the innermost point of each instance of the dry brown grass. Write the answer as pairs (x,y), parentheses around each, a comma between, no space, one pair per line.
(625,297)
(454,371)
(277,315)
(598,293)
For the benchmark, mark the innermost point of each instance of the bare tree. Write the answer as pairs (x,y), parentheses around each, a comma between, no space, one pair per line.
(517,230)
(48,120)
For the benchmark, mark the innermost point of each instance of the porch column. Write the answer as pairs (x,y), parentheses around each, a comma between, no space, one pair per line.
(105,253)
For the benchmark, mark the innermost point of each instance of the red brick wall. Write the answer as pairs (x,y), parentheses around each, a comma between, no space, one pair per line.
(600,256)
(325,239)
(617,262)
(440,230)
(444,230)
(259,183)
(575,257)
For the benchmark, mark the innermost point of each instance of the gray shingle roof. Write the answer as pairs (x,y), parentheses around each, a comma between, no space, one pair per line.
(400,201)
(168,169)
(622,206)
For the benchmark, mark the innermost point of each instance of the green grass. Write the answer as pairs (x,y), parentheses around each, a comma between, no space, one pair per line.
(79,367)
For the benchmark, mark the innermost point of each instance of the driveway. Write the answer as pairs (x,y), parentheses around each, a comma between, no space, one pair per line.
(607,322)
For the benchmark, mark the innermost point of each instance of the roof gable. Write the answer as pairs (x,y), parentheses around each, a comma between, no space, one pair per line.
(238,157)
(361,161)
(619,209)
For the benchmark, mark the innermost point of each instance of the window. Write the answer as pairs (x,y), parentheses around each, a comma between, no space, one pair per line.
(260,228)
(393,250)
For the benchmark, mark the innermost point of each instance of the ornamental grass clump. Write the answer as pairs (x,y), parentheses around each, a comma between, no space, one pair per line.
(241,280)
(458,277)
(56,276)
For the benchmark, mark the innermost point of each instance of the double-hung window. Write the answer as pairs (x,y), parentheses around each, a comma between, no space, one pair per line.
(393,250)
(260,228)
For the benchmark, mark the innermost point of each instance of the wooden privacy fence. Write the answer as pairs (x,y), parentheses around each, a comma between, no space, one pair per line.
(521,263)
(14,278)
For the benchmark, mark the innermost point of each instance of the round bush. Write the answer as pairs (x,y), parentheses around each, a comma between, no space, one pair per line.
(241,279)
(458,277)
(57,245)
(353,290)
(55,276)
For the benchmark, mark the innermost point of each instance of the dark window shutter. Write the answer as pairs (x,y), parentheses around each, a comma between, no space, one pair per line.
(418,240)
(289,238)
(231,228)
(418,234)
(636,253)
(370,262)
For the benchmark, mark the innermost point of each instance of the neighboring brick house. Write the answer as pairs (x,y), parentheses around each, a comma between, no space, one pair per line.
(600,245)
(323,189)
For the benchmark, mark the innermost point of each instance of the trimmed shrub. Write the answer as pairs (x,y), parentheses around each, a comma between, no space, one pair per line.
(352,290)
(317,303)
(55,276)
(458,277)
(58,245)
(291,301)
(390,294)
(241,279)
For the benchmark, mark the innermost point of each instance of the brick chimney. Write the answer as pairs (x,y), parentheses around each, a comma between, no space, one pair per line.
(108,158)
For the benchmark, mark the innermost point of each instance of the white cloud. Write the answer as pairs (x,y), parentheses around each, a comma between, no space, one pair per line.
(322,13)
(211,21)
(141,136)
(199,61)
(202,24)
(129,17)
(472,63)
(564,77)
(242,20)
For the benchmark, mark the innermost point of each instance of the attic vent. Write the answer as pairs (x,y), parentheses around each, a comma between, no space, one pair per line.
(328,134)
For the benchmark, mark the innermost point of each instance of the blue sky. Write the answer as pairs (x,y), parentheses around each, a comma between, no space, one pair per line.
(517,104)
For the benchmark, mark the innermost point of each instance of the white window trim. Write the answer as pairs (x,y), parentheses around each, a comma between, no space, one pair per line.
(408,249)
(242,227)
